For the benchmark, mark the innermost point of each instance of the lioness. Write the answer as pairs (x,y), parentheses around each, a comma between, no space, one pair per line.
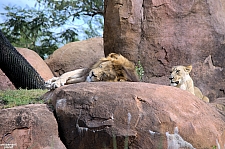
(113,68)
(180,78)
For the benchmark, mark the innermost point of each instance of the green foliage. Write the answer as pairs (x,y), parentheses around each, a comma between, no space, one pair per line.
(75,8)
(11,98)
(140,70)
(90,11)
(126,146)
(114,142)
(93,30)
(29,29)
(51,23)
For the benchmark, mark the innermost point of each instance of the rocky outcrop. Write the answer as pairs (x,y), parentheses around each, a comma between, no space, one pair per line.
(139,115)
(75,55)
(36,62)
(5,83)
(30,126)
(219,104)
(164,33)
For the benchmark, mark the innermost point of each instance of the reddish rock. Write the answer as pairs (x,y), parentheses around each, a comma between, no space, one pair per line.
(36,62)
(165,33)
(30,126)
(5,83)
(75,55)
(219,104)
(104,115)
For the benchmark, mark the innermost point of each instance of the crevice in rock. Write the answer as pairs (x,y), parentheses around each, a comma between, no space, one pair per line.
(119,2)
(140,109)
(157,6)
(21,128)
(7,138)
(60,131)
(166,54)
(81,129)
(209,61)
(142,34)
(94,124)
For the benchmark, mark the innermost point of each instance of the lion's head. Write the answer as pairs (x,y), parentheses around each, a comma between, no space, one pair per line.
(113,68)
(179,75)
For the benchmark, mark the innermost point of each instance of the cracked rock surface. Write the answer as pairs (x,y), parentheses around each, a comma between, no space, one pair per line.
(30,126)
(104,115)
(166,33)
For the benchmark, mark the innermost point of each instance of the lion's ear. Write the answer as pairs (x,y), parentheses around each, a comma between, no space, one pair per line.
(113,56)
(188,68)
(173,67)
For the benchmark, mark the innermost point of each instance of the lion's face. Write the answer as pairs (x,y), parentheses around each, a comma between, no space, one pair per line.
(102,72)
(179,74)
(113,68)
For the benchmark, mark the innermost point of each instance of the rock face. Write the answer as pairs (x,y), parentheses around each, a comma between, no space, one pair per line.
(30,126)
(165,33)
(219,104)
(75,55)
(138,115)
(5,83)
(36,62)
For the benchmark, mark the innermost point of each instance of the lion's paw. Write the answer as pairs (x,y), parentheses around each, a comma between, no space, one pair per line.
(54,83)
(58,83)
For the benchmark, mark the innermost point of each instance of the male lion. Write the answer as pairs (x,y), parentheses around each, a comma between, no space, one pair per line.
(113,68)
(180,78)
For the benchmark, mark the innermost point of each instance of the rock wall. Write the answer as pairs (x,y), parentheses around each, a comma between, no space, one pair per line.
(164,33)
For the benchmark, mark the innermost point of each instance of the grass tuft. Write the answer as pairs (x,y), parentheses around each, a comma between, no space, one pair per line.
(139,70)
(12,98)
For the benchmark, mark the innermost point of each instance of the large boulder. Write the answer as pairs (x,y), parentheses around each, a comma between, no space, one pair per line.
(219,104)
(75,55)
(5,83)
(164,33)
(136,115)
(30,126)
(36,62)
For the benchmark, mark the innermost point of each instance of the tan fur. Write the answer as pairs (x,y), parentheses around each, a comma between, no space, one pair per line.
(113,68)
(75,76)
(180,78)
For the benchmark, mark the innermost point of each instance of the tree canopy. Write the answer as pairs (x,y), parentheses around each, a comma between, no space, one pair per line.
(51,23)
